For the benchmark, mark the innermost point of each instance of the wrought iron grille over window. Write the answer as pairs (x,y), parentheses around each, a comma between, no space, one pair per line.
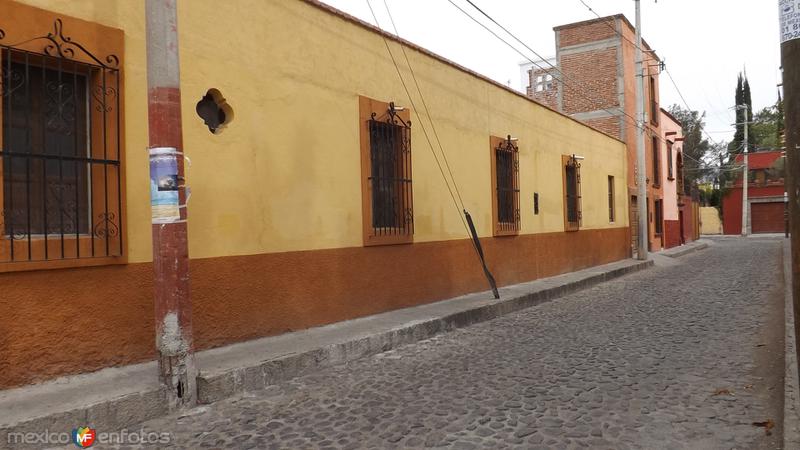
(60,150)
(506,157)
(659,219)
(611,211)
(390,178)
(656,147)
(572,181)
(670,170)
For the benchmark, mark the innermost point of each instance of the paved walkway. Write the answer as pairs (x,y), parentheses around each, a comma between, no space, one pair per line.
(683,356)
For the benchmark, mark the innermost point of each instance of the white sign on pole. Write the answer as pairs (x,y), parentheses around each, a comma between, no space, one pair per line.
(790,19)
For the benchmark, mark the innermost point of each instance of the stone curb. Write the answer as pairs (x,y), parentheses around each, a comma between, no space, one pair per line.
(791,388)
(127,406)
(215,387)
(685,249)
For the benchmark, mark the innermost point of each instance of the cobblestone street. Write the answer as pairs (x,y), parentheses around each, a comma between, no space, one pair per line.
(681,356)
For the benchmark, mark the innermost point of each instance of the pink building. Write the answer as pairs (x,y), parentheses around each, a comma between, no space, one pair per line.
(671,174)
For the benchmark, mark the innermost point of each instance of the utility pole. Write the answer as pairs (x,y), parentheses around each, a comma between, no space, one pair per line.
(790,61)
(173,307)
(745,178)
(641,163)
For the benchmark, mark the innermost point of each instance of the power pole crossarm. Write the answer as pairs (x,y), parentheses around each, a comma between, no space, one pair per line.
(173,311)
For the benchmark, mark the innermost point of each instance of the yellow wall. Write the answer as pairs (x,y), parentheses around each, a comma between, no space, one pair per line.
(709,220)
(286,174)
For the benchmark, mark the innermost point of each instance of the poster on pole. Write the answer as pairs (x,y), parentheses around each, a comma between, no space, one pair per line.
(789,19)
(164,185)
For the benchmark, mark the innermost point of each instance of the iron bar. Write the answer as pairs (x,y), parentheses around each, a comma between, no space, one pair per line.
(47,134)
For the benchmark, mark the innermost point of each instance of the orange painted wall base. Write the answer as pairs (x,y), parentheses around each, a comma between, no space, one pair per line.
(60,322)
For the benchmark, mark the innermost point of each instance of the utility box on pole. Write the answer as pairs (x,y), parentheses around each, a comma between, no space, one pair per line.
(173,307)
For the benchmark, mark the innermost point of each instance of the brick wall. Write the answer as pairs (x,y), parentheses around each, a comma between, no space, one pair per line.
(547,97)
(592,81)
(608,125)
(584,32)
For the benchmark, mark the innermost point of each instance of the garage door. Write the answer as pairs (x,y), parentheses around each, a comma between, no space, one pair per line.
(767,217)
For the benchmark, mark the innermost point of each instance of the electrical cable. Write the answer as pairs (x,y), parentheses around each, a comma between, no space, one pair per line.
(632,119)
(468,224)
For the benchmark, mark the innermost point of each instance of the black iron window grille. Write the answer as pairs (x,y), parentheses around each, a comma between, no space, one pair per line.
(659,219)
(390,174)
(656,146)
(611,211)
(60,151)
(506,159)
(572,181)
(670,170)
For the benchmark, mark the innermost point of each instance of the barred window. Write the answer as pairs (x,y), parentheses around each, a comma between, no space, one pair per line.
(659,219)
(572,192)
(670,170)
(653,101)
(386,170)
(60,149)
(611,211)
(656,148)
(505,185)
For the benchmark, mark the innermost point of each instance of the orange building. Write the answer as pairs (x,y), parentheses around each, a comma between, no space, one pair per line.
(596,83)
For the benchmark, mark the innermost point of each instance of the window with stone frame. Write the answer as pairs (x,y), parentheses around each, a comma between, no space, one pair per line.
(387,200)
(571,170)
(505,185)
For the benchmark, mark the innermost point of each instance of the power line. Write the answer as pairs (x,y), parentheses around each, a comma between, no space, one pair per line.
(672,80)
(470,228)
(425,105)
(414,107)
(686,104)
(563,76)
(633,120)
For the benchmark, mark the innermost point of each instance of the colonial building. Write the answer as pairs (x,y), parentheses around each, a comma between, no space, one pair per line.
(315,195)
(595,82)
(680,210)
(765,195)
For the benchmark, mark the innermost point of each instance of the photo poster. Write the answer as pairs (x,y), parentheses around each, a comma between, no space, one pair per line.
(164,185)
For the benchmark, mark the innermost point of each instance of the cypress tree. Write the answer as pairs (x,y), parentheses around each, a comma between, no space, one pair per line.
(738,136)
(748,101)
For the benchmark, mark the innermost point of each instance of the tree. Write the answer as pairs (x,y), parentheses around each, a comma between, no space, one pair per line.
(695,147)
(764,131)
(741,97)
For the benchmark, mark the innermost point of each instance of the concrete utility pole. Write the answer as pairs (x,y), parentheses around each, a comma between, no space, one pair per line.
(790,61)
(745,178)
(173,307)
(641,163)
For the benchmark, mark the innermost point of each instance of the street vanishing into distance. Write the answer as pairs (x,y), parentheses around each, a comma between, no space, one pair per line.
(688,354)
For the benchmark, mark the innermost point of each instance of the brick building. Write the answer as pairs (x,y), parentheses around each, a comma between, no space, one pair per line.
(596,83)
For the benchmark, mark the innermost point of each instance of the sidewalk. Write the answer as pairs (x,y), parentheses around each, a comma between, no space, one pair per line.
(120,397)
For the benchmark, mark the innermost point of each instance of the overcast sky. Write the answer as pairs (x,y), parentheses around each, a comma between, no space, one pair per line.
(705,43)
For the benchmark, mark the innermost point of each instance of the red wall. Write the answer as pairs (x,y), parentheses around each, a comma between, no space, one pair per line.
(672,233)
(732,206)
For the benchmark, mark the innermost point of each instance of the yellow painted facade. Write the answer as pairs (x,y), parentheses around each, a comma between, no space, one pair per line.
(285,174)
(710,222)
